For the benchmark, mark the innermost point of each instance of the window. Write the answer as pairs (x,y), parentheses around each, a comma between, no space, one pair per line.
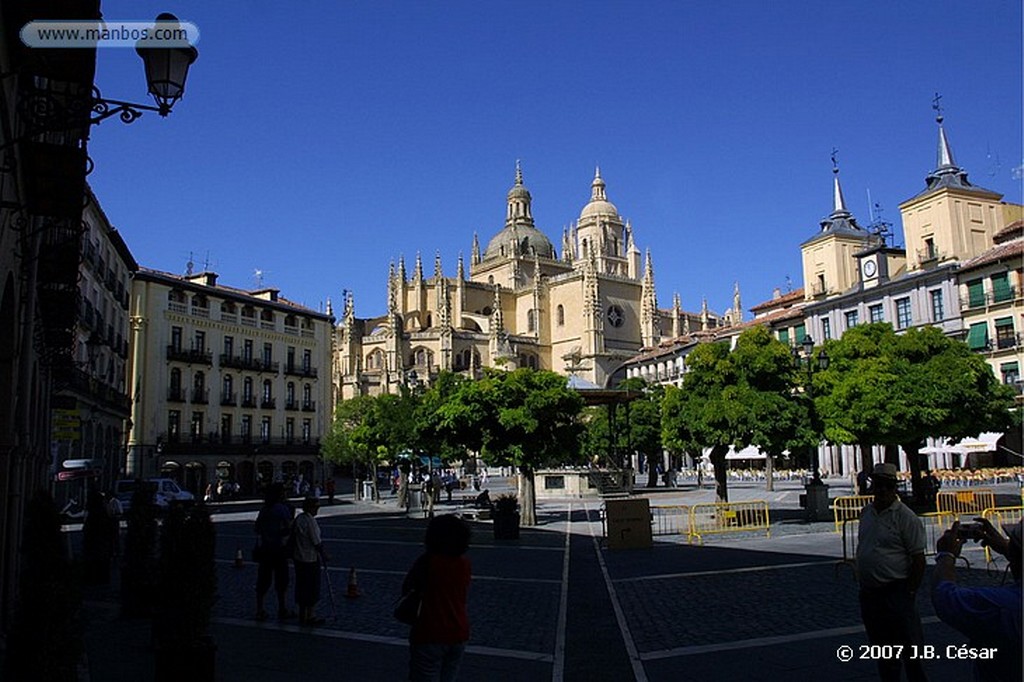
(307,396)
(289,430)
(1005,336)
(784,336)
(245,430)
(268,353)
(531,320)
(175,380)
(229,346)
(560,315)
(200,342)
(826,328)
(289,394)
(1001,290)
(265,429)
(247,350)
(176,338)
(173,426)
(975,293)
(196,430)
(1010,372)
(225,428)
(929,249)
(876,313)
(902,313)
(247,391)
(800,333)
(977,336)
(938,312)
(307,430)
(267,392)
(289,358)
(851,319)
(554,483)
(307,359)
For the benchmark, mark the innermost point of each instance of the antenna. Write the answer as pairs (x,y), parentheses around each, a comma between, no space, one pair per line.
(206,262)
(257,275)
(880,227)
(189,266)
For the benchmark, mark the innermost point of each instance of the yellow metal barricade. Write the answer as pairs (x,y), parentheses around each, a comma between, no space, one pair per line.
(1002,518)
(935,524)
(670,519)
(849,508)
(960,502)
(728,517)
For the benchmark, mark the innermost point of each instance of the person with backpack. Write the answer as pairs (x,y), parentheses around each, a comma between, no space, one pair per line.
(273,528)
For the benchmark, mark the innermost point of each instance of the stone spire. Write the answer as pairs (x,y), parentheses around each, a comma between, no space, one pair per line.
(705,318)
(330,308)
(392,316)
(497,317)
(519,200)
(566,246)
(474,257)
(597,186)
(444,305)
(417,273)
(648,304)
(460,272)
(401,269)
(437,265)
(677,308)
(737,309)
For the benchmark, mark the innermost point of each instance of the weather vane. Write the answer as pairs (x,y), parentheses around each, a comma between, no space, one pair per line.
(835,162)
(937,106)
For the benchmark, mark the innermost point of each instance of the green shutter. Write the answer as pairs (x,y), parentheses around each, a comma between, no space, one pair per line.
(784,335)
(975,294)
(1001,287)
(977,337)
(800,333)
(1004,322)
(1008,367)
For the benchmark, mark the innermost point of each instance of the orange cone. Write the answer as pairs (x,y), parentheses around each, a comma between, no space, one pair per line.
(353,586)
(239,559)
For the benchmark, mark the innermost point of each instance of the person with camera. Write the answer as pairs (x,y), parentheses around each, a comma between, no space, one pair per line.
(989,616)
(890,566)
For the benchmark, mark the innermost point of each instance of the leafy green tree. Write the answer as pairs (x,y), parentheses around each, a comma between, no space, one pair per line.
(739,398)
(898,389)
(524,418)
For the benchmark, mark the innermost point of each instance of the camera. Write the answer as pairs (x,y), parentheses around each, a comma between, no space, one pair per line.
(971,531)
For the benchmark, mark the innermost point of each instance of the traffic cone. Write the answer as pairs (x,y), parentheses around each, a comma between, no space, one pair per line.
(239,559)
(353,586)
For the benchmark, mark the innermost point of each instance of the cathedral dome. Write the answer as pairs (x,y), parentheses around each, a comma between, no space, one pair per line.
(599,204)
(528,240)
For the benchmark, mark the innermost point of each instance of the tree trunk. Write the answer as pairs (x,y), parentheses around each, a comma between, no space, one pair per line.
(527,497)
(403,487)
(769,469)
(652,472)
(718,461)
(916,481)
(866,462)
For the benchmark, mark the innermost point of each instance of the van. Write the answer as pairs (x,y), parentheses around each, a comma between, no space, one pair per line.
(124,490)
(171,491)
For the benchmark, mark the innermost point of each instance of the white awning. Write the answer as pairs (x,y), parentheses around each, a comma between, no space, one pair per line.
(985,442)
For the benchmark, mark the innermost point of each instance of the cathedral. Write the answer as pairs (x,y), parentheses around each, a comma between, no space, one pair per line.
(582,313)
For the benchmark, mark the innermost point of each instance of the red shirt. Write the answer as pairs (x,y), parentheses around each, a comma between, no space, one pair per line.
(443,618)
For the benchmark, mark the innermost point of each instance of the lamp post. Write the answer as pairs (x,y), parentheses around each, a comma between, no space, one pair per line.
(816,490)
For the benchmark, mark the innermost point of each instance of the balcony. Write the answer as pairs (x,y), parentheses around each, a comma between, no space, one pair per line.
(237,444)
(291,405)
(1008,341)
(200,396)
(176,394)
(268,403)
(248,401)
(229,399)
(190,355)
(928,256)
(243,362)
(309,406)
(300,371)
(989,298)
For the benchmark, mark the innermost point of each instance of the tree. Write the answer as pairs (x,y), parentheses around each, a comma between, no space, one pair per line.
(524,418)
(739,398)
(898,389)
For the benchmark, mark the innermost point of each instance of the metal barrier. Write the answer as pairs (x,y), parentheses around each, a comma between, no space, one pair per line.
(959,502)
(670,519)
(728,517)
(1001,518)
(849,508)
(935,524)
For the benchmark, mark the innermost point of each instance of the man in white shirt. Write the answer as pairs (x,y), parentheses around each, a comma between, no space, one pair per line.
(890,565)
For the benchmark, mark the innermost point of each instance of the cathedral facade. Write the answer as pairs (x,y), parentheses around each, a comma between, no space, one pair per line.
(583,312)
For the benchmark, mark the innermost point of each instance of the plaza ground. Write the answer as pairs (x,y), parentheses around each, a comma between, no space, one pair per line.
(556,604)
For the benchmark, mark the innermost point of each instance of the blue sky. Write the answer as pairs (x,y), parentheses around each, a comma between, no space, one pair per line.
(317,141)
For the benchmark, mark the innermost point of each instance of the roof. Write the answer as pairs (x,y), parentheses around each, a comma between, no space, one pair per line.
(221,290)
(1009,250)
(1011,231)
(789,298)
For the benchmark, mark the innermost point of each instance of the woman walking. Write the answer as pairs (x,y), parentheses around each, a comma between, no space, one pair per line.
(273,526)
(441,575)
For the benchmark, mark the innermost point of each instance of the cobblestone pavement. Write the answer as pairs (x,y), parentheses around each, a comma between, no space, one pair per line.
(554,605)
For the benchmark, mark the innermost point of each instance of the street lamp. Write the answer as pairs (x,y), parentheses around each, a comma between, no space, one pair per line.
(166,68)
(816,490)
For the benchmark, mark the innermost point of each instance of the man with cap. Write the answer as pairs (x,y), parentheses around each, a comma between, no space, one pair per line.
(989,616)
(890,565)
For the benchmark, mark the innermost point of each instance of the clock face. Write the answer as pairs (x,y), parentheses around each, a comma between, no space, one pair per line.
(870,268)
(615,316)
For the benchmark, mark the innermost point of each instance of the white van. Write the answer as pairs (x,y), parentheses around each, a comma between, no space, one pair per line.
(171,491)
